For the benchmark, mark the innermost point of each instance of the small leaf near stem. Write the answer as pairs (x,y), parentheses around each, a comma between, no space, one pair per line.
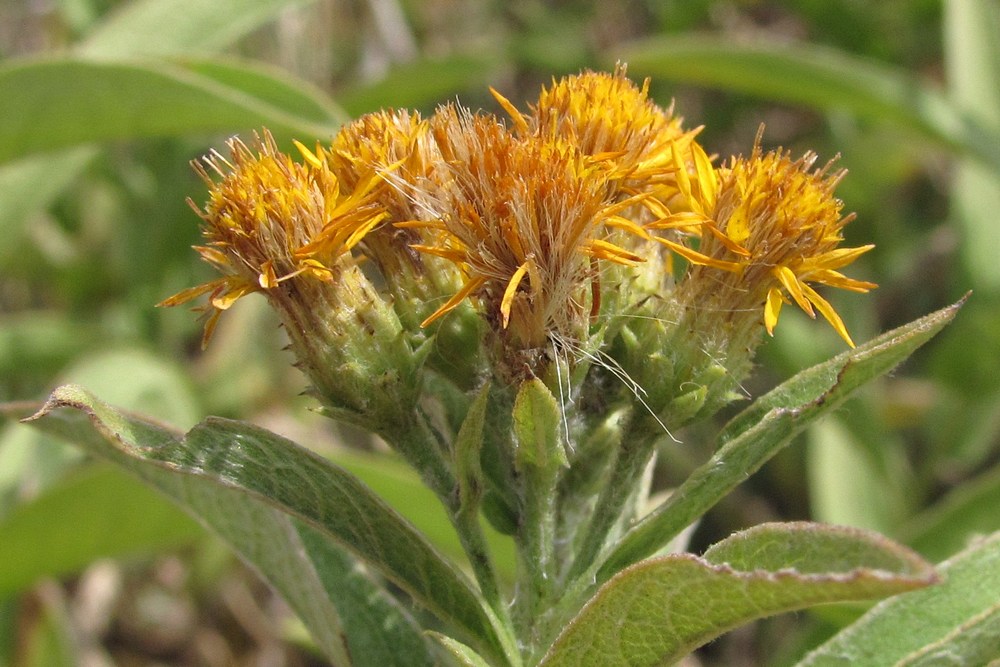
(465,516)
(540,457)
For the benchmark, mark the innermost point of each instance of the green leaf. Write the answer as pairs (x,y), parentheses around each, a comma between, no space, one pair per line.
(968,511)
(138,380)
(755,435)
(816,548)
(956,621)
(975,642)
(272,86)
(419,84)
(846,486)
(401,487)
(202,26)
(814,76)
(38,344)
(58,103)
(972,60)
(320,582)
(97,512)
(31,184)
(465,656)
(237,462)
(468,449)
(136,30)
(536,424)
(659,610)
(379,631)
(844,373)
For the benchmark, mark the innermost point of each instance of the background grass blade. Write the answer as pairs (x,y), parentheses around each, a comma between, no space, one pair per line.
(51,104)
(817,77)
(200,26)
(972,59)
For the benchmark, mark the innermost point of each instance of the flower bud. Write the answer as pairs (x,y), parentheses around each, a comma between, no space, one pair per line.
(286,229)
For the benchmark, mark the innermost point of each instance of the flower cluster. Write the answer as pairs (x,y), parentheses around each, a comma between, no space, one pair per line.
(554,235)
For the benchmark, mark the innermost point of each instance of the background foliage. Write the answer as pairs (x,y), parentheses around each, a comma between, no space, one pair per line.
(104,103)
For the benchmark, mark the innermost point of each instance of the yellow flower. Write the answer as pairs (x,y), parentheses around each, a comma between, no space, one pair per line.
(613,122)
(391,143)
(773,226)
(526,221)
(270,219)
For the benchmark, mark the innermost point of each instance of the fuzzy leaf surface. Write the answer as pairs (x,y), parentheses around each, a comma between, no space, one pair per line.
(659,610)
(222,469)
(954,623)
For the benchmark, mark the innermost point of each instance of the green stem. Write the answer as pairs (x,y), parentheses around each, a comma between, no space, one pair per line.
(536,547)
(421,448)
(633,455)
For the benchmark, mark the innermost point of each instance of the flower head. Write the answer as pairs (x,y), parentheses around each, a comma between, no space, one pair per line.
(525,220)
(772,226)
(391,143)
(270,219)
(612,121)
(287,229)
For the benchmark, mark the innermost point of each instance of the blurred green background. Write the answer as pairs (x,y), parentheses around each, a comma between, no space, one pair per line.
(104,103)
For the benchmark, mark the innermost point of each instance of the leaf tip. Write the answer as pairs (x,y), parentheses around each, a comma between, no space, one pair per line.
(67,395)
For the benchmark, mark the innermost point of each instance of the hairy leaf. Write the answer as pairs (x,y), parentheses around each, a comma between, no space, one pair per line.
(220,464)
(658,610)
(955,623)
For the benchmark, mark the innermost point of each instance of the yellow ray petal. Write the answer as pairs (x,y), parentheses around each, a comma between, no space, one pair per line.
(620,222)
(600,249)
(795,287)
(192,293)
(708,184)
(308,155)
(210,323)
(267,278)
(731,244)
(835,259)
(686,220)
(683,178)
(237,291)
(824,307)
(696,257)
(772,308)
(839,280)
(471,286)
(515,115)
(508,294)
